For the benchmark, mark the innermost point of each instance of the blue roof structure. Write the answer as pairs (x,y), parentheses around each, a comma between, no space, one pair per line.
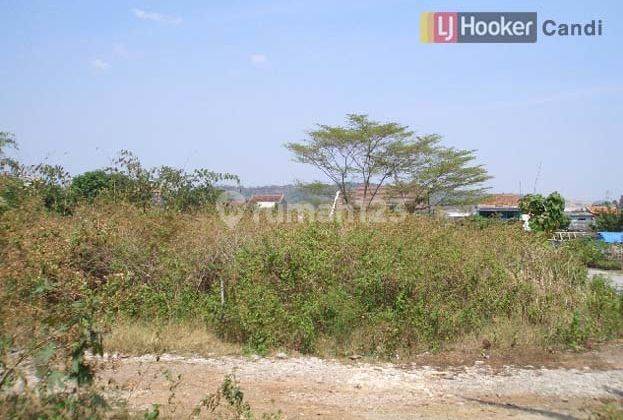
(611,237)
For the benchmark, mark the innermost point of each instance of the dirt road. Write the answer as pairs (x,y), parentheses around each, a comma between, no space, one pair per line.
(312,387)
(616,277)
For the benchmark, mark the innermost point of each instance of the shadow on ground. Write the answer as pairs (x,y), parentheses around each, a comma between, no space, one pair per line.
(510,406)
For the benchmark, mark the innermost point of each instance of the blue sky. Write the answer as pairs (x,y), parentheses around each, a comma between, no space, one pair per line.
(223,84)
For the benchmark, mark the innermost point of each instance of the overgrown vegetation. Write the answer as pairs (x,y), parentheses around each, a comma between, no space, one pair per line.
(373,288)
(592,253)
(80,255)
(228,402)
(126,181)
(609,221)
(547,214)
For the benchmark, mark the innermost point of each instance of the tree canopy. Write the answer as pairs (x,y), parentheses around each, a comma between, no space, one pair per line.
(547,214)
(434,174)
(127,180)
(609,222)
(372,154)
(91,184)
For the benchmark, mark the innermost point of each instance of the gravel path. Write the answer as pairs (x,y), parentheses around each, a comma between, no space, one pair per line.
(615,276)
(309,386)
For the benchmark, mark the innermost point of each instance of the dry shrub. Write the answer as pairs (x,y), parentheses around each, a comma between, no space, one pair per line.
(319,287)
(142,337)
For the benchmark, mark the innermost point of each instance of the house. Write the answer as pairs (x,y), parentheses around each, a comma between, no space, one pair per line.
(597,210)
(383,196)
(457,212)
(268,201)
(504,206)
(580,220)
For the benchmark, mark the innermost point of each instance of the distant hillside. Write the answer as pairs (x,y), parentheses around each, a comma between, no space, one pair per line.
(293,193)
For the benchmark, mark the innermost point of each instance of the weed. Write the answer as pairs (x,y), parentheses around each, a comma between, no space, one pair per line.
(228,402)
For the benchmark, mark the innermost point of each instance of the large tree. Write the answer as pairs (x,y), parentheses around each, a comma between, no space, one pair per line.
(362,152)
(433,174)
(371,154)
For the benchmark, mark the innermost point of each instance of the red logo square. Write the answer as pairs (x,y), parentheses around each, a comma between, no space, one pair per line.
(446,26)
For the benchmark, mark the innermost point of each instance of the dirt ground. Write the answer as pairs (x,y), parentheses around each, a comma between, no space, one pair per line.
(566,386)
(616,277)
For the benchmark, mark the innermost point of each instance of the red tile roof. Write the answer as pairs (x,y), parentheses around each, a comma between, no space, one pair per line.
(595,210)
(270,198)
(501,200)
(380,194)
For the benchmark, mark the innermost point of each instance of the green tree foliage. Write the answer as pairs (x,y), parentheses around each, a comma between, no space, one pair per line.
(11,188)
(316,193)
(371,154)
(6,140)
(48,182)
(592,253)
(51,183)
(127,180)
(547,214)
(142,185)
(436,175)
(173,188)
(12,192)
(186,191)
(91,184)
(363,151)
(609,222)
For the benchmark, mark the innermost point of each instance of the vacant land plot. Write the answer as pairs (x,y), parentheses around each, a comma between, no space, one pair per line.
(564,386)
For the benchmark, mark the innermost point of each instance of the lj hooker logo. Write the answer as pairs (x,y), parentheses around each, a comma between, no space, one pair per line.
(451,27)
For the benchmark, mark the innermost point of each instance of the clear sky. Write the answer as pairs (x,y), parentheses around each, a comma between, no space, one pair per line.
(223,84)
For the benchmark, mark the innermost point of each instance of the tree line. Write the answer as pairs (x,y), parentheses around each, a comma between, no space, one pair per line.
(125,180)
(362,155)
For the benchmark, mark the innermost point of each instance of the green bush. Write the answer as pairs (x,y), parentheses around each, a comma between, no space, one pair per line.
(606,264)
(382,288)
(547,214)
(592,253)
(609,222)
(92,184)
(12,192)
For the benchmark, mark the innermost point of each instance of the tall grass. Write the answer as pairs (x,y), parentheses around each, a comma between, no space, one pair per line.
(314,287)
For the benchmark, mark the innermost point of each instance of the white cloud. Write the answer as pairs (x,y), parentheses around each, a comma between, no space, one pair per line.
(258,60)
(100,64)
(156,17)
